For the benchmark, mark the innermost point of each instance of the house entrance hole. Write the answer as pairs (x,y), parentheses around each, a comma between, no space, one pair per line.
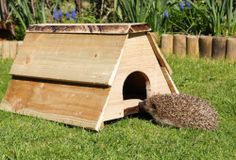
(136,86)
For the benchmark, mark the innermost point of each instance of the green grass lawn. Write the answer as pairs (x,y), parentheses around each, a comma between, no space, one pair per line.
(23,137)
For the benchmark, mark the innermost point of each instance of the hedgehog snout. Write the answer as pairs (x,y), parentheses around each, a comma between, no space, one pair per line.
(142,104)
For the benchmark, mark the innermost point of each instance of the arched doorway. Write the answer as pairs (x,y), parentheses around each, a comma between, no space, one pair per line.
(136,86)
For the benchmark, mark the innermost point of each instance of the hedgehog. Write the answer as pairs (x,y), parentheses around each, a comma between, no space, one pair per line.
(181,111)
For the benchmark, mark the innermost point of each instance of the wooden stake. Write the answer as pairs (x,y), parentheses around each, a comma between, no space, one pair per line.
(193,46)
(205,46)
(180,45)
(167,44)
(231,49)
(218,47)
(5,49)
(12,49)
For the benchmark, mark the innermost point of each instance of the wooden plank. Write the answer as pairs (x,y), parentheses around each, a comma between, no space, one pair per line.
(69,57)
(70,104)
(12,49)
(131,106)
(170,82)
(5,49)
(158,54)
(122,28)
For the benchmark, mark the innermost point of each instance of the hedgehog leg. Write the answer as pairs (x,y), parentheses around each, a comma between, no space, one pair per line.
(168,122)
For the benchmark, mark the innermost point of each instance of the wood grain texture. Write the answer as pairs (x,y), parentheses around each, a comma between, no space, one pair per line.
(69,57)
(167,44)
(8,49)
(5,49)
(159,56)
(205,46)
(193,46)
(106,28)
(180,45)
(138,55)
(231,49)
(219,47)
(70,104)
(169,81)
(13,49)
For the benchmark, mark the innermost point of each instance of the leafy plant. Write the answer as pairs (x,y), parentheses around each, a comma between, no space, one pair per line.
(231,17)
(217,15)
(134,10)
(222,17)
(150,11)
(187,17)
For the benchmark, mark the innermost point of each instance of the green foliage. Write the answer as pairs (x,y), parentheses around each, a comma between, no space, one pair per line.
(222,17)
(4,76)
(26,138)
(135,10)
(190,20)
(150,11)
(23,14)
(201,17)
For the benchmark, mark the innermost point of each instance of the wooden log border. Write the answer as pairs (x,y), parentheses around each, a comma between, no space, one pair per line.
(9,49)
(210,47)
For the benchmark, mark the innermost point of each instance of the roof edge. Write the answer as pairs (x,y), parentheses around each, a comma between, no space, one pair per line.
(99,28)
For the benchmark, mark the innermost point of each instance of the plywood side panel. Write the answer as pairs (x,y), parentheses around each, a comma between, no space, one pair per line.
(138,55)
(71,104)
(69,57)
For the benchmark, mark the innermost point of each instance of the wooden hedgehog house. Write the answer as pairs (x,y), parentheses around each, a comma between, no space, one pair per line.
(86,74)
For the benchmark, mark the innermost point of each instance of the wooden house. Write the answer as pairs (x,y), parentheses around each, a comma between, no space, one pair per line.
(86,74)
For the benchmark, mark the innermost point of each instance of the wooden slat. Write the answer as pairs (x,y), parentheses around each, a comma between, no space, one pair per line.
(122,28)
(12,49)
(170,82)
(5,49)
(158,54)
(69,57)
(70,104)
(9,49)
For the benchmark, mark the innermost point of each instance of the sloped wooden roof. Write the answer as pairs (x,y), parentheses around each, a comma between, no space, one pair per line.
(111,28)
(75,52)
(79,58)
